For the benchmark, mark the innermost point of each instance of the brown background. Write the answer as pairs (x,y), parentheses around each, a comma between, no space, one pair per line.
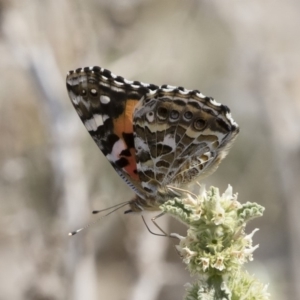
(244,53)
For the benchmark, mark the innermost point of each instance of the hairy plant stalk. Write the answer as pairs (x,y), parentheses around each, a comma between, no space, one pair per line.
(216,246)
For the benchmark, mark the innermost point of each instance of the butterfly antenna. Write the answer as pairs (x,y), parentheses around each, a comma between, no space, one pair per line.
(118,206)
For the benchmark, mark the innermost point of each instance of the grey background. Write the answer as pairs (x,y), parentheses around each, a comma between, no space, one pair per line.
(243,53)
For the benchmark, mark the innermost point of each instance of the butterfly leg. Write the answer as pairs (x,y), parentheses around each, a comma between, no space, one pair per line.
(157,234)
(160,229)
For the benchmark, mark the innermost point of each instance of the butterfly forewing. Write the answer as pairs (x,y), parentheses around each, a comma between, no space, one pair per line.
(105,104)
(153,136)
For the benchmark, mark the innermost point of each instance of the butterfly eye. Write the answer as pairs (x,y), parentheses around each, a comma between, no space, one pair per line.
(162,113)
(174,114)
(188,115)
(199,124)
(93,92)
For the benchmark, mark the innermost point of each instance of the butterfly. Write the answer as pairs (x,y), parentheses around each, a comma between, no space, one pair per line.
(155,137)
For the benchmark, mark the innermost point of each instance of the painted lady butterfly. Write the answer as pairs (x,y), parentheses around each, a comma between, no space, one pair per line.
(154,136)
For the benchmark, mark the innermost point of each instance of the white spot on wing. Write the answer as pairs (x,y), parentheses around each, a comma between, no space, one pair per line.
(90,125)
(228,116)
(200,95)
(185,92)
(140,145)
(150,116)
(118,83)
(75,99)
(171,87)
(152,92)
(144,184)
(170,141)
(118,147)
(138,165)
(135,86)
(104,84)
(98,119)
(105,117)
(167,90)
(149,187)
(104,99)
(128,81)
(117,89)
(214,102)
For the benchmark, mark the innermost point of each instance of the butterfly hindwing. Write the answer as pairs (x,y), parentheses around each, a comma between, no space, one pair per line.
(179,136)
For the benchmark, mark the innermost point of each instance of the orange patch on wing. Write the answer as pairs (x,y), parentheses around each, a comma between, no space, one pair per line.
(123,124)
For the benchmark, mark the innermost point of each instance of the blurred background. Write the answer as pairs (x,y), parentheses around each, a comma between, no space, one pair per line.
(246,54)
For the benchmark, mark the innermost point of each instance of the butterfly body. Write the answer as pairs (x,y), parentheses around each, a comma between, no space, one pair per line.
(154,136)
